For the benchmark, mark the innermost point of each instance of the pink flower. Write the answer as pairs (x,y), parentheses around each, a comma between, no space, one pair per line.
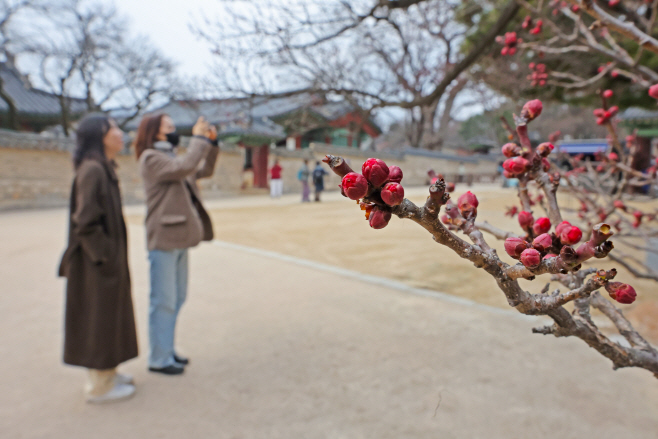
(622,293)
(570,236)
(467,204)
(608,94)
(514,247)
(375,171)
(392,193)
(355,186)
(543,242)
(394,174)
(530,258)
(542,225)
(525,220)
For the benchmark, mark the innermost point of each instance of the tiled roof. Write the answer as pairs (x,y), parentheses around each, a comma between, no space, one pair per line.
(636,114)
(237,111)
(31,101)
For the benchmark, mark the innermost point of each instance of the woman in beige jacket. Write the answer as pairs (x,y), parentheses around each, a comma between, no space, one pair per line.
(175,221)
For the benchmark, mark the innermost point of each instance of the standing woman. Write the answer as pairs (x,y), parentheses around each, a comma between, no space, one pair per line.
(99,331)
(175,221)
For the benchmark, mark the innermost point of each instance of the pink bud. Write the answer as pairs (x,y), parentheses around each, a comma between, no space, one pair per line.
(525,220)
(516,165)
(549,256)
(392,194)
(613,110)
(544,149)
(570,236)
(607,94)
(622,293)
(562,226)
(468,204)
(379,218)
(530,258)
(510,150)
(510,38)
(394,174)
(514,247)
(543,242)
(653,91)
(355,186)
(598,112)
(613,157)
(619,204)
(376,171)
(613,3)
(545,164)
(542,225)
(532,109)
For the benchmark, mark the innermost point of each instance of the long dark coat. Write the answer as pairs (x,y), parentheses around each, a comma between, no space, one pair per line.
(99,328)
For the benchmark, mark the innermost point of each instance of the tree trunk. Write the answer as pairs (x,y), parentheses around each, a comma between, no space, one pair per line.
(12,112)
(449,103)
(64,113)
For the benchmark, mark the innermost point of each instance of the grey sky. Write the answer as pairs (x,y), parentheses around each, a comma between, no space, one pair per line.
(166,23)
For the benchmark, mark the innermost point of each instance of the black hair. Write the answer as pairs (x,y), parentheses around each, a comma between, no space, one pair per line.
(89,138)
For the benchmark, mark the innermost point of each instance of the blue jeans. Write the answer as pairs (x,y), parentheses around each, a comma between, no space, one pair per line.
(168,292)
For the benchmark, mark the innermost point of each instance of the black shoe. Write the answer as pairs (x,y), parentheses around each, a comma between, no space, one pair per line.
(181,360)
(169,370)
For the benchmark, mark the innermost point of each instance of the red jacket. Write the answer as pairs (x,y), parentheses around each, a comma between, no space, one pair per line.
(276,172)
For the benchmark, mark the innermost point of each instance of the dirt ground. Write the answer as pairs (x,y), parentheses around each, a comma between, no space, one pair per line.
(335,232)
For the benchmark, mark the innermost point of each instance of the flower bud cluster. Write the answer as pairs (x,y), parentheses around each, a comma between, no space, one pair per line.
(510,42)
(603,116)
(538,76)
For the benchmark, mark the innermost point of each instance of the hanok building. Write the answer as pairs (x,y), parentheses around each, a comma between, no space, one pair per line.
(36,109)
(644,123)
(258,125)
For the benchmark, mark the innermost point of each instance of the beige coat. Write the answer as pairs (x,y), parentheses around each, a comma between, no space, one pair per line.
(175,217)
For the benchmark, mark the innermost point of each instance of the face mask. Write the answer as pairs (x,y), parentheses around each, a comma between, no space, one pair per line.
(173,138)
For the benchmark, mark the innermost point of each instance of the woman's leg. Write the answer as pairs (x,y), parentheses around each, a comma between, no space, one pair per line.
(99,382)
(163,308)
(181,279)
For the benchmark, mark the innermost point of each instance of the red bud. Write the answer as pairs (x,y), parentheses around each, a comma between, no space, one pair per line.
(392,194)
(543,242)
(379,218)
(375,171)
(544,149)
(467,204)
(510,150)
(532,109)
(530,258)
(542,225)
(526,220)
(607,94)
(561,227)
(355,186)
(514,247)
(571,236)
(622,293)
(394,174)
(653,91)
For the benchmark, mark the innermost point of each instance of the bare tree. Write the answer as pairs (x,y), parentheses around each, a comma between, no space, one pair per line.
(380,53)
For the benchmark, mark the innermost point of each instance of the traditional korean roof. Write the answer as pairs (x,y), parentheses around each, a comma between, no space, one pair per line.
(635,114)
(32,101)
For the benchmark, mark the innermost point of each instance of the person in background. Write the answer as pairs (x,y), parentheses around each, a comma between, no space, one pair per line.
(175,221)
(99,324)
(302,175)
(318,179)
(276,184)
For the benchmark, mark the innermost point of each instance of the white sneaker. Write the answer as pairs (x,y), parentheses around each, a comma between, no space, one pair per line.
(119,392)
(124,379)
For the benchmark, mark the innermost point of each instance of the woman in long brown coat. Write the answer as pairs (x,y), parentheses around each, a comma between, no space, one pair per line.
(99,323)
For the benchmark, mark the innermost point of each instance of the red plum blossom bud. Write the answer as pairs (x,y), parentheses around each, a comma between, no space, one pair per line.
(621,292)
(543,242)
(516,165)
(355,186)
(394,174)
(392,194)
(532,109)
(510,150)
(653,91)
(549,256)
(562,226)
(613,157)
(450,187)
(542,225)
(608,94)
(515,246)
(530,258)
(601,233)
(467,204)
(619,204)
(545,164)
(379,218)
(525,220)
(544,149)
(571,235)
(375,171)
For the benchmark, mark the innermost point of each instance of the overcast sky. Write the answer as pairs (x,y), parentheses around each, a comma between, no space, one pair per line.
(166,23)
